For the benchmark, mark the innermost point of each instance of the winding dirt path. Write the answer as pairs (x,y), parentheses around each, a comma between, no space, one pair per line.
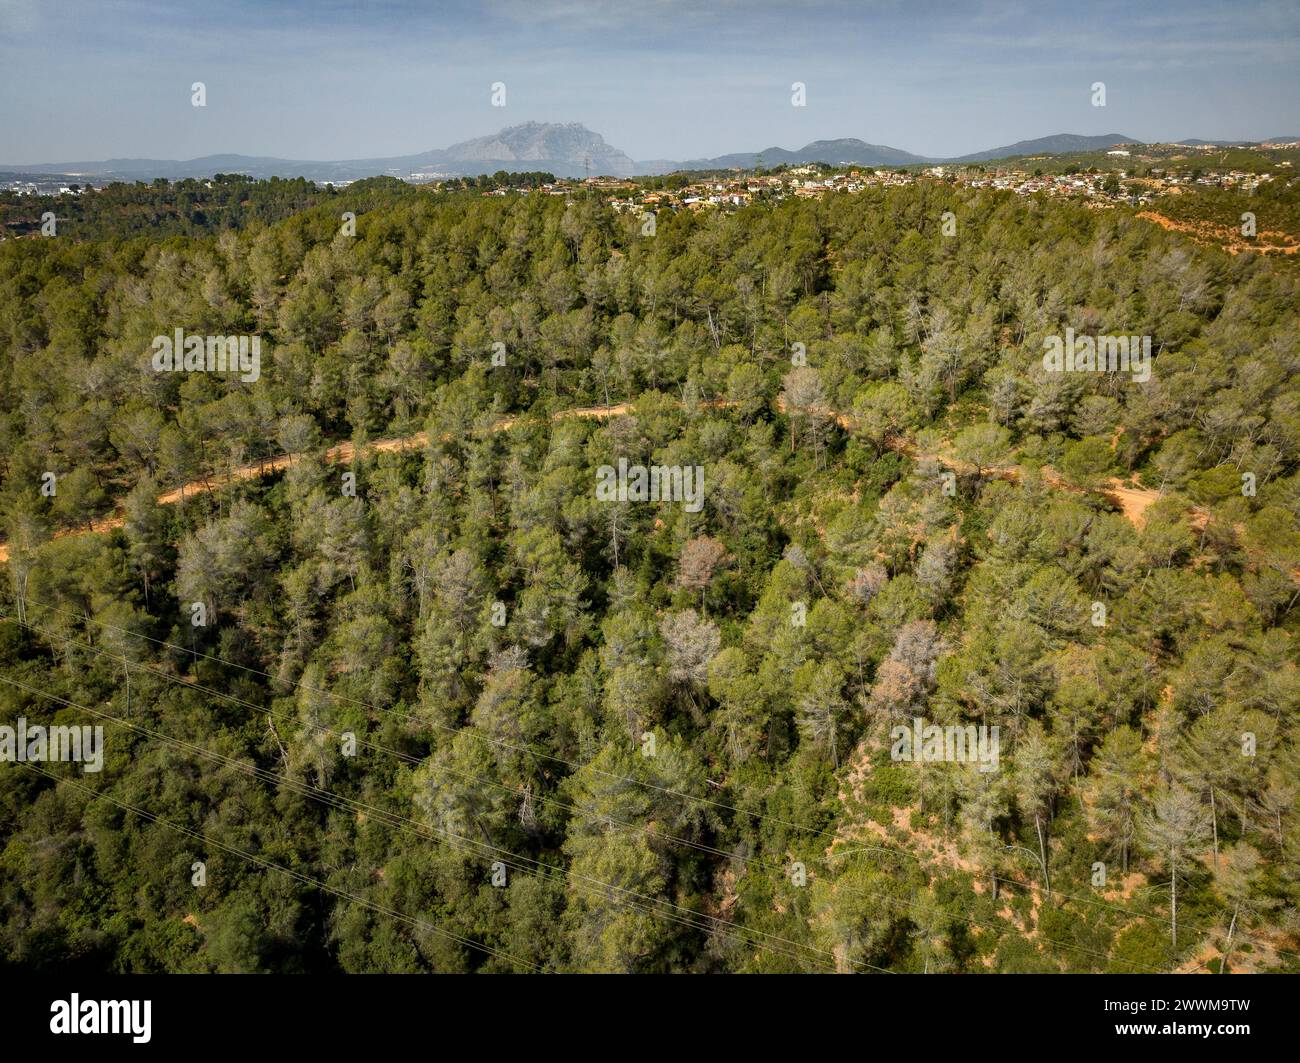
(1132,500)
(339,454)
(1225,236)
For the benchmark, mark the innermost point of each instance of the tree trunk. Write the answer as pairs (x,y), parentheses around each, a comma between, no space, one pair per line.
(1227,948)
(1042,849)
(1214,818)
(1173,897)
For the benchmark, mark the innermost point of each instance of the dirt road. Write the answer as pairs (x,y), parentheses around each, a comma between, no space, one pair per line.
(1132,500)
(1225,236)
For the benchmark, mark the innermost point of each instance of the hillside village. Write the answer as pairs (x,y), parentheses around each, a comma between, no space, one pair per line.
(811,181)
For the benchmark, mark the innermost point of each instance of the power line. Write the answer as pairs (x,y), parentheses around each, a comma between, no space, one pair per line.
(511,859)
(475,734)
(269,865)
(861,892)
(409,758)
(444,727)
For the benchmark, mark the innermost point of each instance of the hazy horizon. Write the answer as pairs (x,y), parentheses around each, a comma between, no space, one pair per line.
(677,158)
(662,80)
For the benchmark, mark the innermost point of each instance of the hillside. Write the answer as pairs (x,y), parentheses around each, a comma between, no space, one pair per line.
(371,639)
(1060,144)
(841,151)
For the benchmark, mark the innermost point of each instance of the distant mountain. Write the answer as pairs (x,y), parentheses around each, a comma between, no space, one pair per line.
(1280,140)
(832,151)
(857,151)
(1053,145)
(140,169)
(566,150)
(571,145)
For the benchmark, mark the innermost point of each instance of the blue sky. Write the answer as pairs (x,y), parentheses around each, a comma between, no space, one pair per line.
(94,79)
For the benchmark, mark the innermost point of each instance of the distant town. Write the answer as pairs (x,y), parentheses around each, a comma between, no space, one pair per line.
(1135,173)
(1191,187)
(810,181)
